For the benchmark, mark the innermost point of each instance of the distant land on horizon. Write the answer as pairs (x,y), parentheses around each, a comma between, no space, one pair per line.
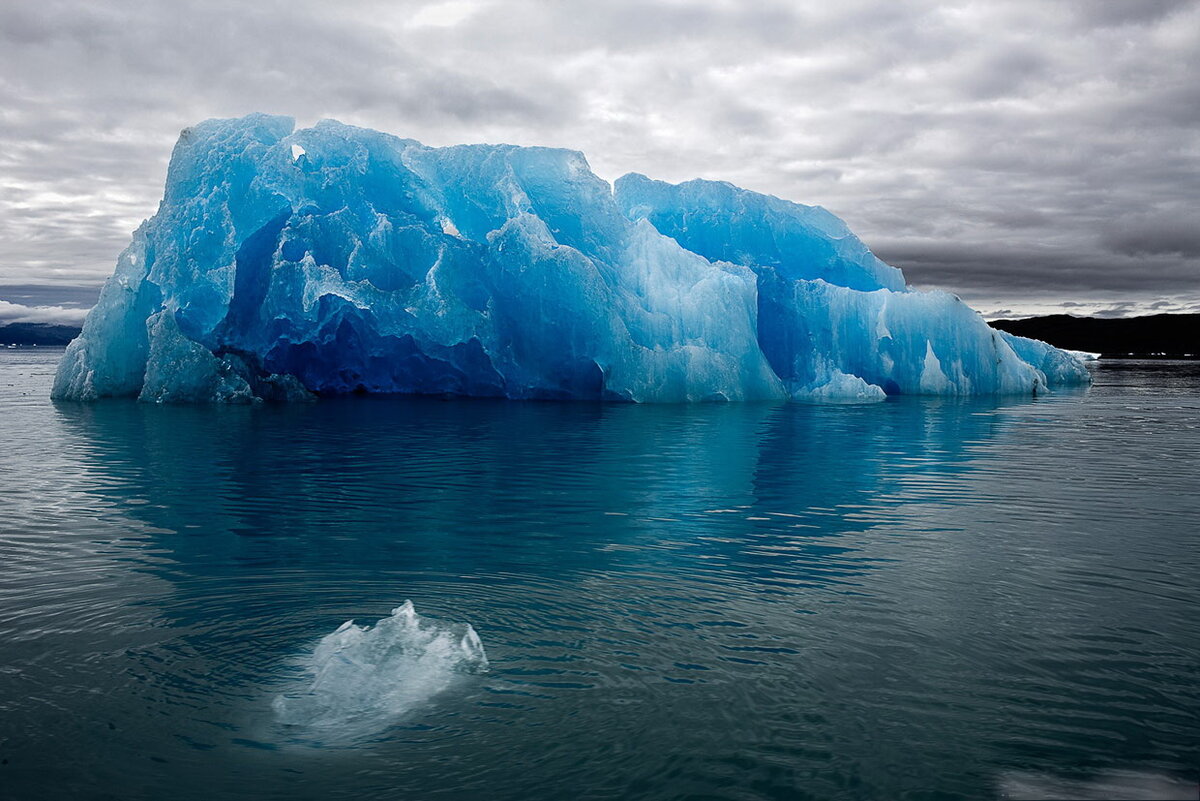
(1154,336)
(26,334)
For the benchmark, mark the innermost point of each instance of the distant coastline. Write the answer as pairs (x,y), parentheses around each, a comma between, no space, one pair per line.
(33,334)
(1156,336)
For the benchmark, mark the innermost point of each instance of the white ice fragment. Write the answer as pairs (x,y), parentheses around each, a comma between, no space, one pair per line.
(933,379)
(360,679)
(297,152)
(834,386)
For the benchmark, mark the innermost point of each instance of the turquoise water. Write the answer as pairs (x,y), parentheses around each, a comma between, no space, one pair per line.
(915,599)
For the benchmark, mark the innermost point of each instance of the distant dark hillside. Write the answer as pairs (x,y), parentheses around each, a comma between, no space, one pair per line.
(37,334)
(1156,336)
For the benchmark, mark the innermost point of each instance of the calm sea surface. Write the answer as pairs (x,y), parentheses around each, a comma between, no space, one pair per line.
(918,599)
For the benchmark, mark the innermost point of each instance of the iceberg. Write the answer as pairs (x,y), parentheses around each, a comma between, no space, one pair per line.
(285,264)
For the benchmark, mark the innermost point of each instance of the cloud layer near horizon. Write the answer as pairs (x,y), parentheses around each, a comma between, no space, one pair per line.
(1025,155)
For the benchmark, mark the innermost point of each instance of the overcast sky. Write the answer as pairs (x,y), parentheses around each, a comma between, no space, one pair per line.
(1029,156)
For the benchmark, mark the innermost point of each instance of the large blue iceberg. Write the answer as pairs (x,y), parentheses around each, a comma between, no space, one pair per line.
(285,263)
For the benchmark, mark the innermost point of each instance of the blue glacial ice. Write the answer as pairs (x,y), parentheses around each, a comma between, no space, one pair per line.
(360,679)
(284,264)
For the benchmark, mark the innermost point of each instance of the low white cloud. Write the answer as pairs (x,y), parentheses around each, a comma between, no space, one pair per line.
(61,315)
(442,15)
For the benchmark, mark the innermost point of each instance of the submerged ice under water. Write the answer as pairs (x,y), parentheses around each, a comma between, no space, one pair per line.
(360,679)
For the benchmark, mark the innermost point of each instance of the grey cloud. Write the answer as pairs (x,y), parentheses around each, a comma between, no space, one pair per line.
(1116,310)
(1125,12)
(71,296)
(1018,218)
(1180,237)
(1004,71)
(1037,270)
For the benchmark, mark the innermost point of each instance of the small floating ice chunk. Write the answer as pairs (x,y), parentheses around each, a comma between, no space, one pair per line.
(360,679)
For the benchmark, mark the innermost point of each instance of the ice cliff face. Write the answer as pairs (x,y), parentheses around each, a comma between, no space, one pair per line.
(335,259)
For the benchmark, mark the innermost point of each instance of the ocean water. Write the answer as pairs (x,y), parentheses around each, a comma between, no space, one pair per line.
(920,599)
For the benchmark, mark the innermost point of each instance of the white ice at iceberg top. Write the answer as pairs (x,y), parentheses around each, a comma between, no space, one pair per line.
(360,679)
(335,259)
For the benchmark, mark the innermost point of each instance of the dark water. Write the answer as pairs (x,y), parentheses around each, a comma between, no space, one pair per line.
(917,599)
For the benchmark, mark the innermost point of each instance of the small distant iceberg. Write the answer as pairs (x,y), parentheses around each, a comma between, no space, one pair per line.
(360,679)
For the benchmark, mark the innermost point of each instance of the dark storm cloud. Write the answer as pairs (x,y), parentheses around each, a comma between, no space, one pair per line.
(1149,237)
(1020,154)
(75,297)
(1032,270)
